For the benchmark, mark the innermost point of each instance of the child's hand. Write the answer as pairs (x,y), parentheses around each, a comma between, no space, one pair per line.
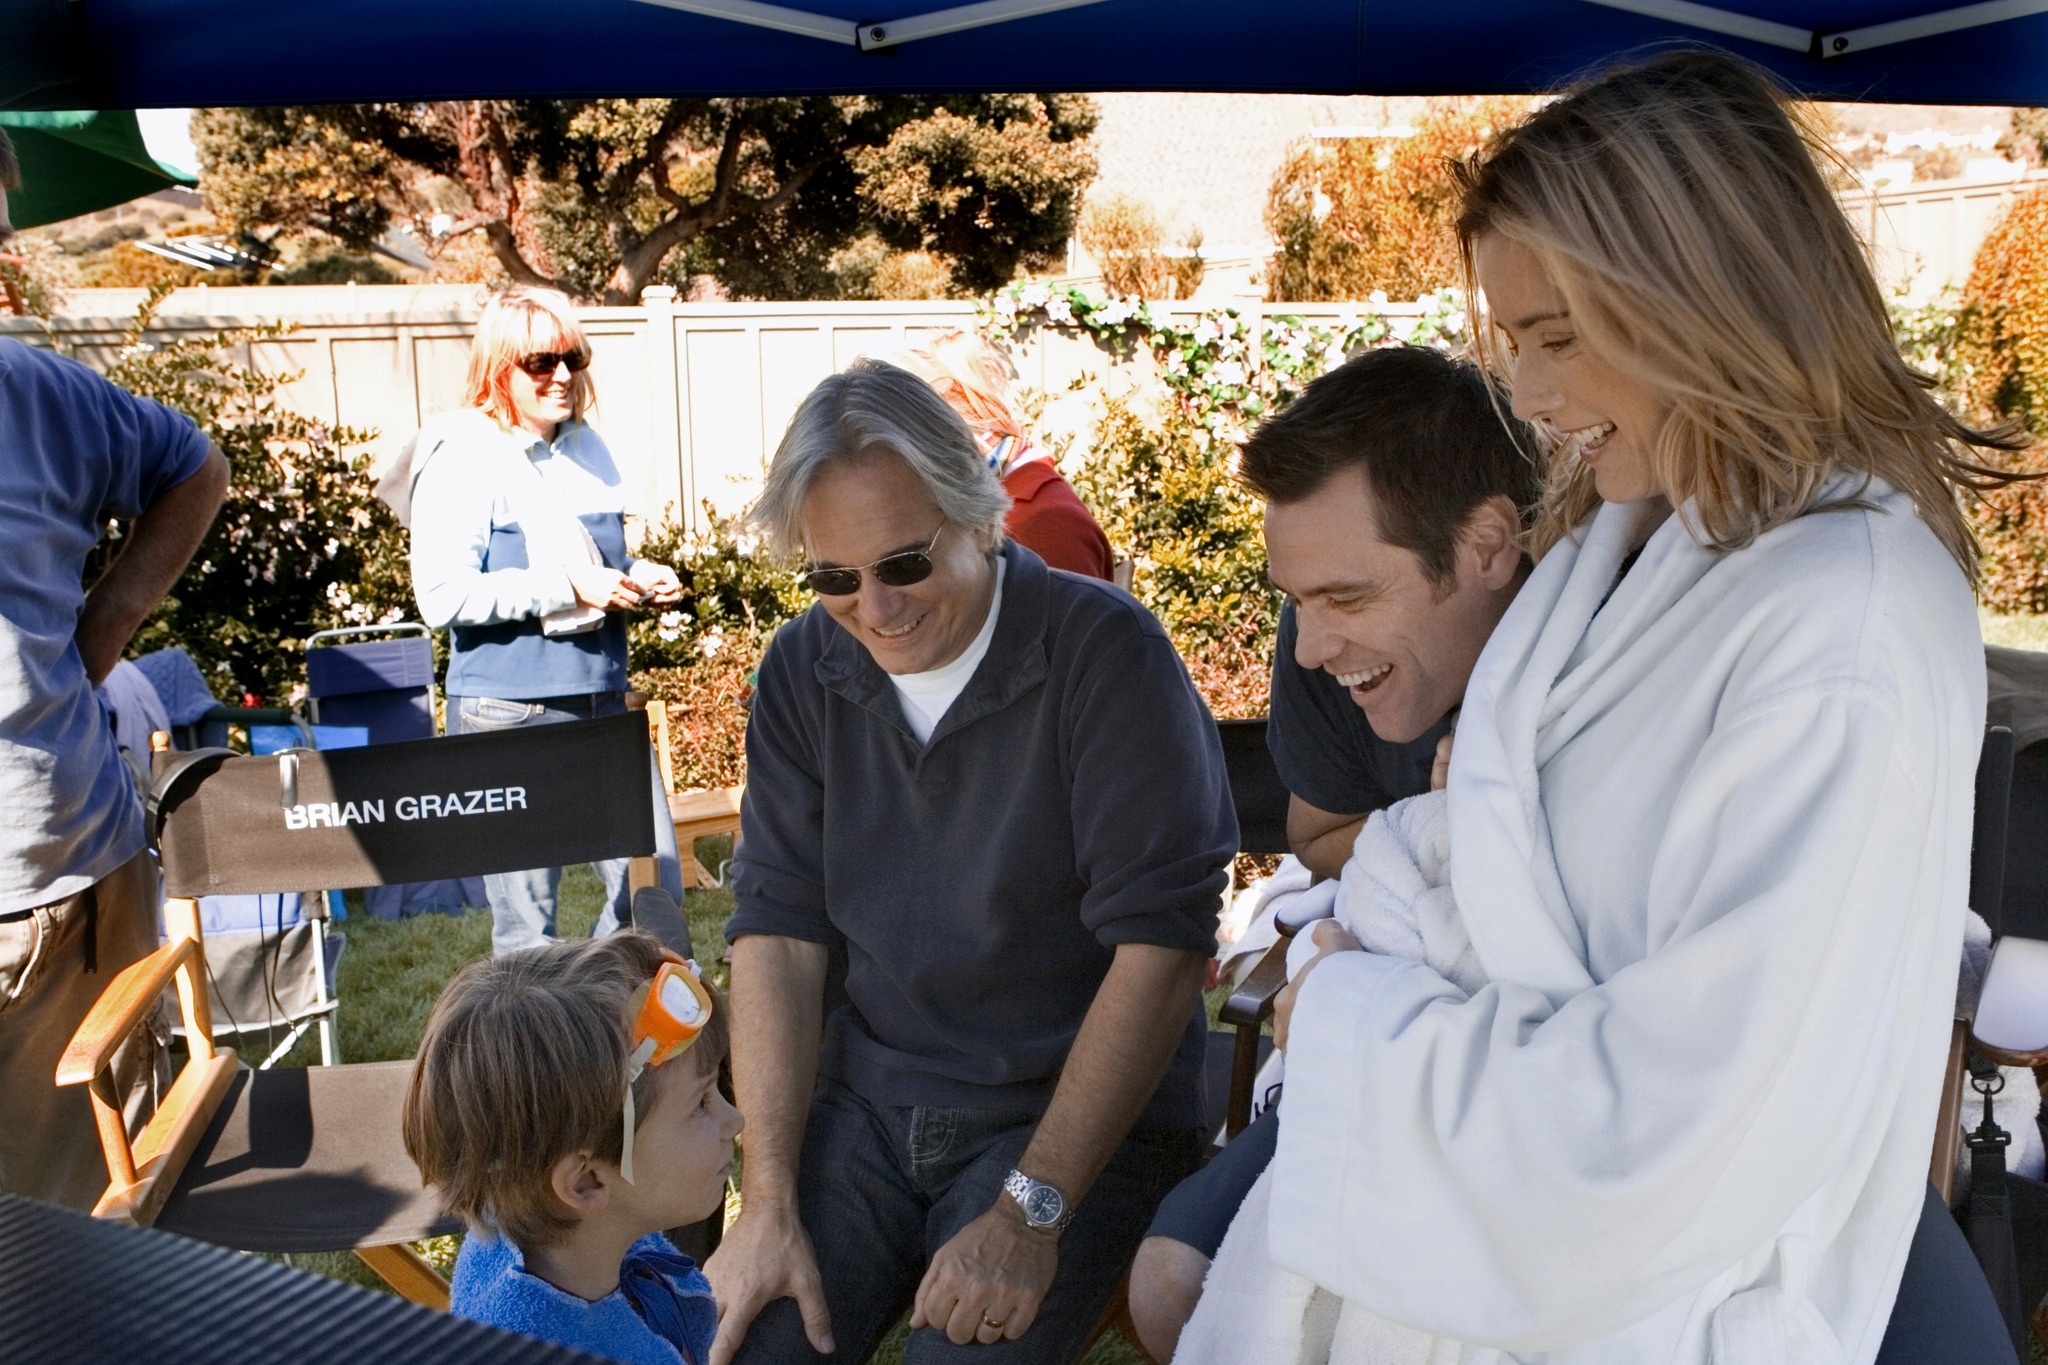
(1329,937)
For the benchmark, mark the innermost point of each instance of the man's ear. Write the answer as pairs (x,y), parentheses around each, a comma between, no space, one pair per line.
(580,1182)
(1491,543)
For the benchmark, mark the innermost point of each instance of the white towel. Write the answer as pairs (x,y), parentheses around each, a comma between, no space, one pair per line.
(1395,896)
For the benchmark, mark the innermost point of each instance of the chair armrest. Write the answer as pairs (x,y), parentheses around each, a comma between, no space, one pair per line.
(120,1008)
(1252,1002)
(2011,1024)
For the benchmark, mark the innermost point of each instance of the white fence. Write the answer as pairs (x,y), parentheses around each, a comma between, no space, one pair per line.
(692,398)
(1924,236)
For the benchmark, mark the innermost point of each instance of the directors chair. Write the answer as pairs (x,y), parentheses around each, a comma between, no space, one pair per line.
(312,1159)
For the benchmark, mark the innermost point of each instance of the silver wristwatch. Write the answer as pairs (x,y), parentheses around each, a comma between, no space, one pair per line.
(1045,1208)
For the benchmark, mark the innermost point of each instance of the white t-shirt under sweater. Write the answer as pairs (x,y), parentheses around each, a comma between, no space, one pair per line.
(927,696)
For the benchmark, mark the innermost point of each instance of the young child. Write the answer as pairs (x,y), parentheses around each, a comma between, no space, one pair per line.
(566,1104)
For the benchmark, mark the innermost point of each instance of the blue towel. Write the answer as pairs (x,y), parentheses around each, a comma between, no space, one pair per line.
(492,1286)
(179,684)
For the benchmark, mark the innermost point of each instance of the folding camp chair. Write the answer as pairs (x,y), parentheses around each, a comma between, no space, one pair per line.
(1260,798)
(386,687)
(311,1159)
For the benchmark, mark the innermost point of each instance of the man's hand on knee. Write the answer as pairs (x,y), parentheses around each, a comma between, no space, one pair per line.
(765,1256)
(986,1284)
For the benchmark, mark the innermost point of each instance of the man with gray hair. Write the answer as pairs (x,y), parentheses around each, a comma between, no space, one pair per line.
(77,888)
(987,794)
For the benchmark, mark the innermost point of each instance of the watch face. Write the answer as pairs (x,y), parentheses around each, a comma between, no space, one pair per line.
(1043,1204)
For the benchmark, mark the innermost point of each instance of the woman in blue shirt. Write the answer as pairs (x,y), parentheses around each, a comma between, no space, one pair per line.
(519,551)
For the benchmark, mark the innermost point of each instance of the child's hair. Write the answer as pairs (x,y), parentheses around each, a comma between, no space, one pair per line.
(524,1063)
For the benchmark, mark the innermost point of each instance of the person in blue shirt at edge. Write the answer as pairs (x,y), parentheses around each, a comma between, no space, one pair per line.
(1394,513)
(517,516)
(565,1103)
(78,896)
(991,791)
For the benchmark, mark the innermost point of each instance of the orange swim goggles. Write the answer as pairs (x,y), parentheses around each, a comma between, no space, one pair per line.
(668,1013)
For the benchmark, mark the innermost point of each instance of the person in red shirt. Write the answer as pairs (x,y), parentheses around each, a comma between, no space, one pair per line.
(1046,515)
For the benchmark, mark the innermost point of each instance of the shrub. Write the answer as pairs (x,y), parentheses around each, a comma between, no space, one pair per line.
(1354,215)
(300,545)
(912,275)
(1998,363)
(1166,497)
(1126,239)
(699,655)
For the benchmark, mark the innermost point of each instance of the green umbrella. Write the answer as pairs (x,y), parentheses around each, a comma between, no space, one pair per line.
(76,162)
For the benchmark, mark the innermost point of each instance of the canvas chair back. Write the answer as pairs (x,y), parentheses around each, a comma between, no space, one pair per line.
(408,812)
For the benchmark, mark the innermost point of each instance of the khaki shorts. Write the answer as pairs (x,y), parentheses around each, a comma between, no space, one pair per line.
(49,1144)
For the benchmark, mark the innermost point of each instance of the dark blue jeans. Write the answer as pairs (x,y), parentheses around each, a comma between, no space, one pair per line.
(881,1189)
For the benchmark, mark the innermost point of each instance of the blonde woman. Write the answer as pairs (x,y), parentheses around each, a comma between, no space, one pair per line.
(1709,807)
(1046,516)
(519,551)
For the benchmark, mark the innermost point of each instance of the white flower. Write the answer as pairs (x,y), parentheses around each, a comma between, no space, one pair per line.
(1006,306)
(1403,328)
(1033,295)
(746,542)
(1377,298)
(1227,372)
(1176,363)
(1454,325)
(711,643)
(1207,331)
(338,596)
(1059,310)
(1115,313)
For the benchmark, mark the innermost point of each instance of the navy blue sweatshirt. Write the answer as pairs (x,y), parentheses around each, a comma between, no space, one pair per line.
(1073,798)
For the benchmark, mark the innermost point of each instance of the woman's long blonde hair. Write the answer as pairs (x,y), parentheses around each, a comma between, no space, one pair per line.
(520,322)
(1680,209)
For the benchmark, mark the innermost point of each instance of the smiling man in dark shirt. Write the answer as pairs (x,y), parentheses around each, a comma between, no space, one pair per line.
(1394,491)
(990,790)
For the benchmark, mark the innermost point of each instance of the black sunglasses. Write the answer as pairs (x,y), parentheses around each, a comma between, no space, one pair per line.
(542,365)
(896,571)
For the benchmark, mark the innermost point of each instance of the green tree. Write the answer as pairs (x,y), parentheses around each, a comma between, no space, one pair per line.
(602,198)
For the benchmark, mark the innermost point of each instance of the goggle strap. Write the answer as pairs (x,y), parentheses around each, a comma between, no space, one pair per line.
(635,1064)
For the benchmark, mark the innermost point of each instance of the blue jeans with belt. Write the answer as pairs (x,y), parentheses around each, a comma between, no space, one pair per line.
(523,903)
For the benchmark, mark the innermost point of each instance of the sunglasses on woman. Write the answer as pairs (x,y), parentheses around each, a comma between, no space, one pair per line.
(543,363)
(899,570)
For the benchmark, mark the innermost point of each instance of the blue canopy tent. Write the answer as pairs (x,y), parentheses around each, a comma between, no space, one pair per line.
(73,54)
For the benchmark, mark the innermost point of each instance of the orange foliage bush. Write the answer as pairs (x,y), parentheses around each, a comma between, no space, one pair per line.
(707,715)
(2001,371)
(1354,215)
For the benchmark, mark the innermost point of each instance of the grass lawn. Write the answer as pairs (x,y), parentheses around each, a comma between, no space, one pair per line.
(393,970)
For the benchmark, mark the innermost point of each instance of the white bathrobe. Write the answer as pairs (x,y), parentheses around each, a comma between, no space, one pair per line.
(1712,848)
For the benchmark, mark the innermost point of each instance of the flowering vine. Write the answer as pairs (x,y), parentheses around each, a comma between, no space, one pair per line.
(1225,369)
